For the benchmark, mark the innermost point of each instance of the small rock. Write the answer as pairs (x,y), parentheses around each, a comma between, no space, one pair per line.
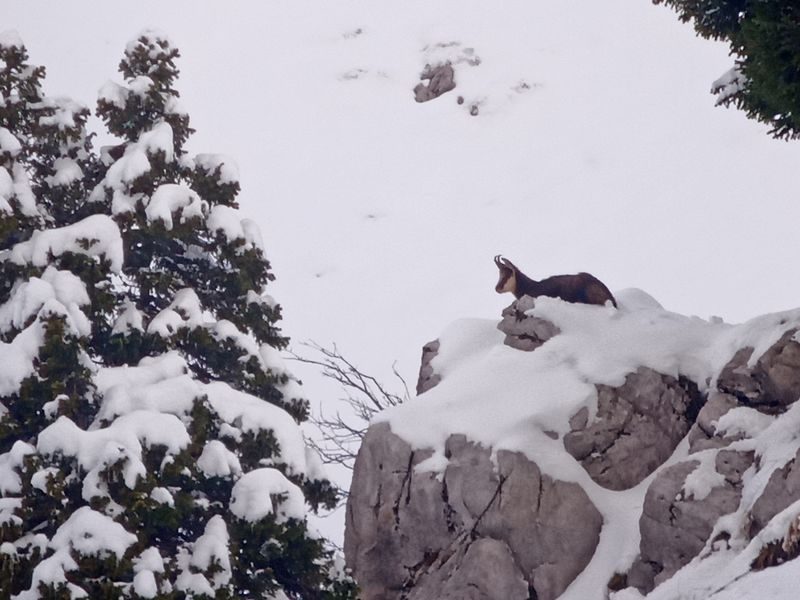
(427,378)
(440,78)
(770,385)
(525,332)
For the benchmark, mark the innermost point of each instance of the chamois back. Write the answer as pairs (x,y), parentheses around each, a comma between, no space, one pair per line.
(582,288)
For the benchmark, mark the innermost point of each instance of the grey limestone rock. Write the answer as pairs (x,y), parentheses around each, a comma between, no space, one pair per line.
(674,528)
(480,570)
(415,535)
(440,78)
(772,383)
(637,427)
(427,377)
(525,332)
(783,489)
(703,434)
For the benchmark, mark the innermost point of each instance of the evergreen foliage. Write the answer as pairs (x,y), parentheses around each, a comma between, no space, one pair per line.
(764,38)
(149,438)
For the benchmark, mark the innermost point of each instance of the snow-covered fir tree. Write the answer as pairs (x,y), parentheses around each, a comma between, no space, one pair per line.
(764,38)
(149,432)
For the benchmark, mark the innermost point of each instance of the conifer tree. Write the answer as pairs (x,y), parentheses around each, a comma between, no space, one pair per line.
(764,38)
(149,432)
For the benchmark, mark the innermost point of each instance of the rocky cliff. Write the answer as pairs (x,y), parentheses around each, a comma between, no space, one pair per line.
(582,452)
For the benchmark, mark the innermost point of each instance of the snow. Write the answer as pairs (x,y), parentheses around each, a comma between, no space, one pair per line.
(700,482)
(52,570)
(162,496)
(140,85)
(132,165)
(150,370)
(158,139)
(730,83)
(217,461)
(229,221)
(67,171)
(777,583)
(101,231)
(121,203)
(152,34)
(744,421)
(40,479)
(10,482)
(63,114)
(122,441)
(15,185)
(184,311)
(17,357)
(9,143)
(149,560)
(252,496)
(211,548)
(129,319)
(30,296)
(254,298)
(229,170)
(251,414)
(160,385)
(170,198)
(9,38)
(144,584)
(92,533)
(136,160)
(113,93)
(86,532)
(252,234)
(8,508)
(6,188)
(194,583)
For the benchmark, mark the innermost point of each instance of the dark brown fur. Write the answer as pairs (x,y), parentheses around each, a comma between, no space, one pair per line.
(582,288)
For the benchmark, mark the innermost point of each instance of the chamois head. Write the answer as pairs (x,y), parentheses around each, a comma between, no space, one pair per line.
(508,275)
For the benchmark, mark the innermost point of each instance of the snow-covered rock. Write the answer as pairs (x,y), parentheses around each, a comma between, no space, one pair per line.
(584,453)
(416,528)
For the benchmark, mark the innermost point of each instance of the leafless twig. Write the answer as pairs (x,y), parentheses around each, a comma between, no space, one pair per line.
(363,396)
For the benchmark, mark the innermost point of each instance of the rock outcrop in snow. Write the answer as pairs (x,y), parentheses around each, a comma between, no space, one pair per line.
(585,453)
(415,535)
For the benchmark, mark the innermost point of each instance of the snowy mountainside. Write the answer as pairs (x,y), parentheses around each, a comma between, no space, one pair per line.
(495,404)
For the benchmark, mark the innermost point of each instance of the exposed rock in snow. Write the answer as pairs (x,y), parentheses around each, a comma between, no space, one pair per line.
(631,447)
(704,431)
(524,331)
(674,527)
(440,80)
(782,490)
(411,528)
(482,569)
(637,427)
(773,381)
(427,377)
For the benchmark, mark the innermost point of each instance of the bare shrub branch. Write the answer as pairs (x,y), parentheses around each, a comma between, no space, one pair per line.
(364,396)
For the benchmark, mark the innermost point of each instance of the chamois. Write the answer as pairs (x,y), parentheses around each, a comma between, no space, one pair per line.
(582,288)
